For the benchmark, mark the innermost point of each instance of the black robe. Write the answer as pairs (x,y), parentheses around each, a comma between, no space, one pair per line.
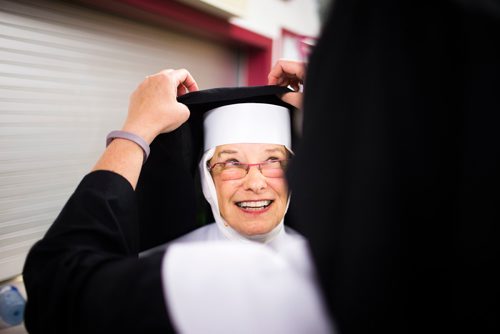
(396,180)
(85,276)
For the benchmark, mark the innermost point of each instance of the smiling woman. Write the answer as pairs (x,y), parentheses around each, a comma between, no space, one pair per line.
(252,197)
(247,146)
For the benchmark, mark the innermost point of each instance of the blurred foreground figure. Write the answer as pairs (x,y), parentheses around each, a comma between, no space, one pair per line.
(396,180)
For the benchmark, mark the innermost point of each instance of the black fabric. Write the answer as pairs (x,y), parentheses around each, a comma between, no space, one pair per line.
(166,190)
(205,100)
(395,182)
(84,275)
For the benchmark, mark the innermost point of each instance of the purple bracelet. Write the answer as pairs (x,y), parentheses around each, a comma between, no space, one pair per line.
(129,136)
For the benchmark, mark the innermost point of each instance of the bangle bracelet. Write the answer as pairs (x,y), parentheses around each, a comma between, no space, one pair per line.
(129,136)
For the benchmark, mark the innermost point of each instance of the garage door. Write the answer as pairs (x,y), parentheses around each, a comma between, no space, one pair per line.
(66,73)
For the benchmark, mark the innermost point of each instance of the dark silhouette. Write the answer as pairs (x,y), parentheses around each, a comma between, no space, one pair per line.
(396,179)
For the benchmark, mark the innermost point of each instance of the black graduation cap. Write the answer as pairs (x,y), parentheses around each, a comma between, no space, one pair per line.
(169,199)
(204,100)
(200,102)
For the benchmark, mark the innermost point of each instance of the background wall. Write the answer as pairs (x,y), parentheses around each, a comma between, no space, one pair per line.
(66,74)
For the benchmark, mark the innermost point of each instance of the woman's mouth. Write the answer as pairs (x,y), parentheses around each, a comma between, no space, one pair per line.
(254,205)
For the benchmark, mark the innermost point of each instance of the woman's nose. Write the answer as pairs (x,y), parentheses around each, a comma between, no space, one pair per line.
(254,180)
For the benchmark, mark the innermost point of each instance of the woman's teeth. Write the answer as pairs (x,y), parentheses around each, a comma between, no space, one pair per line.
(255,205)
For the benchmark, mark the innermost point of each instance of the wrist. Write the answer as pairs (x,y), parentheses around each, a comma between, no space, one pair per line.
(132,137)
(143,132)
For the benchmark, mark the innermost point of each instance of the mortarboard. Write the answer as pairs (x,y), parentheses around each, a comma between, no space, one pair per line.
(237,115)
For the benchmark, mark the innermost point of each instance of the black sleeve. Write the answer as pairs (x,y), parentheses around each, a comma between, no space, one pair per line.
(84,275)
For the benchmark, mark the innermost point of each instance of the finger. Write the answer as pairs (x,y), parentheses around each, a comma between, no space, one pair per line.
(162,72)
(294,78)
(181,90)
(275,77)
(183,113)
(183,77)
(286,68)
(181,116)
(295,99)
(284,79)
(274,80)
(295,86)
(277,74)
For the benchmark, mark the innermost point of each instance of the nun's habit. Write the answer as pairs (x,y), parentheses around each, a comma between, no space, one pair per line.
(232,122)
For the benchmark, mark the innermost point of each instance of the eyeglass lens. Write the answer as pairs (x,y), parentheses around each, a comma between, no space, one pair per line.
(231,170)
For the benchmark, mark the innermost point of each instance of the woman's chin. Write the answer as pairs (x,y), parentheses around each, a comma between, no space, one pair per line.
(253,229)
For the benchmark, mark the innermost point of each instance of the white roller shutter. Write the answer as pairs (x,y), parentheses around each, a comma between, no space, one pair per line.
(66,74)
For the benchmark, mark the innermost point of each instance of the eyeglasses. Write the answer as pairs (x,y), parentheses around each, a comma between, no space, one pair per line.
(233,170)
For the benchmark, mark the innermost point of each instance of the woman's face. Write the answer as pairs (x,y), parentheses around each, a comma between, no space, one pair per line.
(253,204)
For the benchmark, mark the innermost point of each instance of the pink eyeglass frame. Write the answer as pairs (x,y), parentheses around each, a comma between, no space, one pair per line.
(247,166)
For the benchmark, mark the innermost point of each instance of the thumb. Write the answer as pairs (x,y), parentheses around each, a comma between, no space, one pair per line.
(293,98)
(178,116)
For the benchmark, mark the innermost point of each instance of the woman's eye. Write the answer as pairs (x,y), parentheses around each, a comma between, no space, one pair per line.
(232,162)
(273,159)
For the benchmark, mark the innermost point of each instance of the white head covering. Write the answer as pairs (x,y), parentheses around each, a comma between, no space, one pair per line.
(242,123)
